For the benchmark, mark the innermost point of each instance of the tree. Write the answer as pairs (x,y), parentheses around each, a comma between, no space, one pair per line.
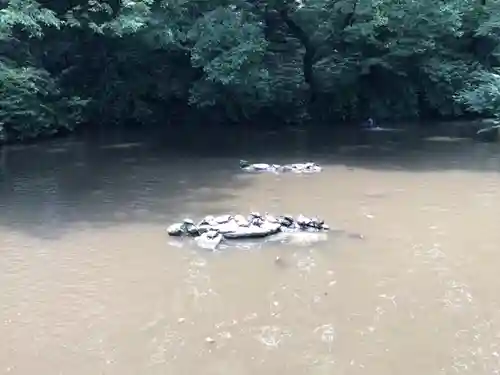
(147,61)
(31,103)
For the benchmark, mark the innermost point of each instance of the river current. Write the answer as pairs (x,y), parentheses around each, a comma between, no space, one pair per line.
(91,284)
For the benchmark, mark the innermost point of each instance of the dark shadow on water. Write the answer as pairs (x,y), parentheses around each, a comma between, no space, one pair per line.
(48,188)
(413,149)
(420,155)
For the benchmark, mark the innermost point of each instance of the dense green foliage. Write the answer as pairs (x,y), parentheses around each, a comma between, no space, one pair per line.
(158,61)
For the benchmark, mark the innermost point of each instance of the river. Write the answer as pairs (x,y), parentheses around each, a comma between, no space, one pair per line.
(91,284)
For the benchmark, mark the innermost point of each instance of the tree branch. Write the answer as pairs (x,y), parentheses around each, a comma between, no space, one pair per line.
(310,51)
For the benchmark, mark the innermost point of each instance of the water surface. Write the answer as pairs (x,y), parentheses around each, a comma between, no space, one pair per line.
(91,285)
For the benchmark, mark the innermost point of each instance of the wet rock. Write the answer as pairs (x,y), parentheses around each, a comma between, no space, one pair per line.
(210,239)
(307,167)
(175,229)
(211,231)
(210,340)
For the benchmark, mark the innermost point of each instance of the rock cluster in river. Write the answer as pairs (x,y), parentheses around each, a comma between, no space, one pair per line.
(307,167)
(212,230)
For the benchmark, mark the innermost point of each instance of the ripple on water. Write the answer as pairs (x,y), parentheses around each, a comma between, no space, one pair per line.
(476,347)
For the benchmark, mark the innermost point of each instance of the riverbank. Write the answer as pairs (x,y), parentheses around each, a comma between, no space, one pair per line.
(150,133)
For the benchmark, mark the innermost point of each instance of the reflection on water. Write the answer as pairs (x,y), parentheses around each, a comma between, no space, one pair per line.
(91,283)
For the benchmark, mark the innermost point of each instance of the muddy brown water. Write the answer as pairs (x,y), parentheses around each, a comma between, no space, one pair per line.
(90,284)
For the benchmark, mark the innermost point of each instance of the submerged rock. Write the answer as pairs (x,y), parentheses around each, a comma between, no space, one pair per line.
(489,133)
(210,239)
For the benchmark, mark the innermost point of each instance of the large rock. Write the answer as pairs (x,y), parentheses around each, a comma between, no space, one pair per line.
(212,231)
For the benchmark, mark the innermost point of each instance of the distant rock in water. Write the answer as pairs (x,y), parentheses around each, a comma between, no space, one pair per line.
(370,125)
(382,129)
(307,167)
(211,231)
(489,133)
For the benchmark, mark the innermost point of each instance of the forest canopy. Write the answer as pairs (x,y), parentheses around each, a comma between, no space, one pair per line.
(65,63)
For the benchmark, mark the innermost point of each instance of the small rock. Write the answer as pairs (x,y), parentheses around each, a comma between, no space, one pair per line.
(181,320)
(226,335)
(357,236)
(209,340)
(279,261)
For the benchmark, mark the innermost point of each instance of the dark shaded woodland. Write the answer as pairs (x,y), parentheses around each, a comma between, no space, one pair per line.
(65,64)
